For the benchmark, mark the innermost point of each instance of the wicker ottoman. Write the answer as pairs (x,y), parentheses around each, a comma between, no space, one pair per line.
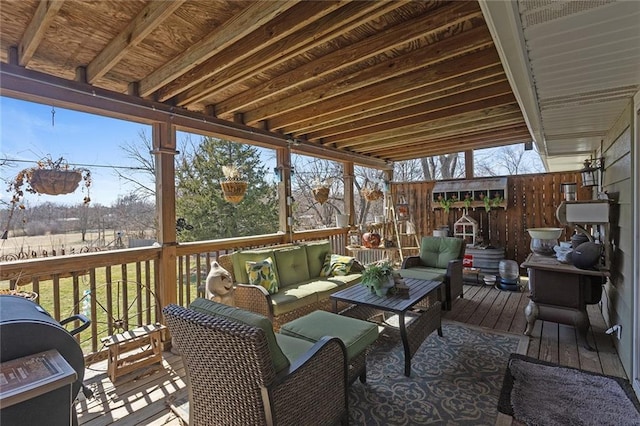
(357,336)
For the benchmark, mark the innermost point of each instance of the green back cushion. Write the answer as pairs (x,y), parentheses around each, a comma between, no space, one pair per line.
(438,251)
(241,257)
(209,307)
(292,265)
(262,273)
(316,253)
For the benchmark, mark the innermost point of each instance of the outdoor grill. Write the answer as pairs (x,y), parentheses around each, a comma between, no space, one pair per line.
(27,329)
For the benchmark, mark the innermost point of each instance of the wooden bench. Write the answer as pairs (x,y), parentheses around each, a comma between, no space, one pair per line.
(121,359)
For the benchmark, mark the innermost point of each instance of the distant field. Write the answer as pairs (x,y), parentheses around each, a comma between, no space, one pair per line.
(57,242)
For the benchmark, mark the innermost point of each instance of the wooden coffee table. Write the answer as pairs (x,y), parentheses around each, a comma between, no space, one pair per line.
(414,323)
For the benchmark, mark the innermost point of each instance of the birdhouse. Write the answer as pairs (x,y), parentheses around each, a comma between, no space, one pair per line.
(466,228)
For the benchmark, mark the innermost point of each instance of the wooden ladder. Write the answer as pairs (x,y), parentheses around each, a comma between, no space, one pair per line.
(401,219)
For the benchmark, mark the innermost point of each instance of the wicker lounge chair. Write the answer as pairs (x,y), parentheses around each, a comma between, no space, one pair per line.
(232,380)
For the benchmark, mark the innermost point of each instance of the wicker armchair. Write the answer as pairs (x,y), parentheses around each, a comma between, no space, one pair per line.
(232,381)
(439,256)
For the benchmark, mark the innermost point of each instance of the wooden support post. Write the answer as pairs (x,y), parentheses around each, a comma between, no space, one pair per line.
(164,149)
(349,206)
(468,164)
(283,165)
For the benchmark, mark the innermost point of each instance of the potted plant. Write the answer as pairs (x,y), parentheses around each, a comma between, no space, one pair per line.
(378,277)
(234,187)
(320,191)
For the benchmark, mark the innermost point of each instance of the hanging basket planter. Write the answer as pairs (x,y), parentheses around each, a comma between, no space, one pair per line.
(233,190)
(321,194)
(54,182)
(371,194)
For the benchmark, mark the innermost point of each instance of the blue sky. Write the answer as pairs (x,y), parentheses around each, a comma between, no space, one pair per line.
(27,133)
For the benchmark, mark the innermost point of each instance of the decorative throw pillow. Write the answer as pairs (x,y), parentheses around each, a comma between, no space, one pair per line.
(336,265)
(262,273)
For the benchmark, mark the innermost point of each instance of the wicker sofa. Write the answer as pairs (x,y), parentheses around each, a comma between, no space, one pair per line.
(239,372)
(301,288)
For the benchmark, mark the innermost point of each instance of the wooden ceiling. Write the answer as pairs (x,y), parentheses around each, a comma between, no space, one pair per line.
(394,80)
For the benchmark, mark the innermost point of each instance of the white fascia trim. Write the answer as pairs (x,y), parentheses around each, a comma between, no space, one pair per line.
(503,20)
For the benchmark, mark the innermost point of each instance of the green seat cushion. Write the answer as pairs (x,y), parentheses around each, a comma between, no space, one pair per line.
(241,257)
(356,334)
(293,297)
(292,265)
(424,273)
(316,253)
(345,280)
(438,251)
(262,273)
(292,347)
(205,306)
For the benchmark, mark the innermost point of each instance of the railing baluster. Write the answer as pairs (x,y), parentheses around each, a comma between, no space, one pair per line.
(109,294)
(139,295)
(125,297)
(56,297)
(94,312)
(147,284)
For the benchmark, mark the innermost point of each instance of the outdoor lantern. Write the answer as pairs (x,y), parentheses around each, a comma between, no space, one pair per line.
(590,171)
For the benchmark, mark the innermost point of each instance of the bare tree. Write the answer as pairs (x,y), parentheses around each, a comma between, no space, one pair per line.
(507,160)
(142,156)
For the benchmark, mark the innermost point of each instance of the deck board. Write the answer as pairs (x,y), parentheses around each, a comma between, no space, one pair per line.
(143,397)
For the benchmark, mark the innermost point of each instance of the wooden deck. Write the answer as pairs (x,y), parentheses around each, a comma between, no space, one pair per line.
(143,397)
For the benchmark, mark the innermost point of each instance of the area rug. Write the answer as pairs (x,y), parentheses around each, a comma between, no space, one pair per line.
(455,379)
(535,392)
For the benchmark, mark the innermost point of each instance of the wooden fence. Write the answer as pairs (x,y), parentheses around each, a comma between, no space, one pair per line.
(531,202)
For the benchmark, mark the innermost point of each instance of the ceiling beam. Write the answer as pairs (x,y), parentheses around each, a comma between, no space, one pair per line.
(369,47)
(471,122)
(137,29)
(504,133)
(255,15)
(417,83)
(425,119)
(255,45)
(458,99)
(314,34)
(462,83)
(410,61)
(34,33)
(33,86)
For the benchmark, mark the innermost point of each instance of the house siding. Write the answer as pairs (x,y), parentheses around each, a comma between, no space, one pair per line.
(618,296)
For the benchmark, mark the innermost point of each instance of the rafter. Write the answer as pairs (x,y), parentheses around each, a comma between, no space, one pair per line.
(411,61)
(462,83)
(482,96)
(416,83)
(137,30)
(267,37)
(487,106)
(35,31)
(340,59)
(255,15)
(450,126)
(314,34)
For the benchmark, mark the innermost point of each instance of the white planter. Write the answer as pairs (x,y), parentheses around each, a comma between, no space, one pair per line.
(342,220)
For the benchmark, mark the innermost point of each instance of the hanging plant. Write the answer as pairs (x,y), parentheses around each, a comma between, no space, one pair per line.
(445,203)
(48,177)
(372,194)
(234,188)
(51,178)
(320,192)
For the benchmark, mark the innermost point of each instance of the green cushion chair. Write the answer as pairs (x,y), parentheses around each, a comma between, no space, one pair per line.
(440,259)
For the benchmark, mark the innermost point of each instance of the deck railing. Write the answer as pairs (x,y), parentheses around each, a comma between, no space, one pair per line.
(117,289)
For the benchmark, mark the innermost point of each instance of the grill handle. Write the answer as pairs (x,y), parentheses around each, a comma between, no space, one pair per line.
(78,317)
